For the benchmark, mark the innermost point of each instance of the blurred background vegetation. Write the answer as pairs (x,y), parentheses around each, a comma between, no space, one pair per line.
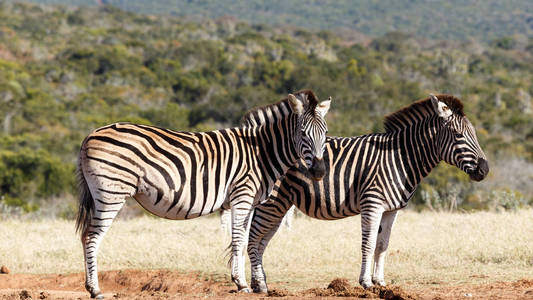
(66,70)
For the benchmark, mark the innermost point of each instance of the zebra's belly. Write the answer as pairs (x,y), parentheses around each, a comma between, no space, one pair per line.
(327,211)
(172,205)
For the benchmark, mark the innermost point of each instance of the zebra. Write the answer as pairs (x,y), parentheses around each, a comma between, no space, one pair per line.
(184,175)
(374,175)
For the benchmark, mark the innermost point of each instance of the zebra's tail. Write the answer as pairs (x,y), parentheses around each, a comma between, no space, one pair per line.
(86,205)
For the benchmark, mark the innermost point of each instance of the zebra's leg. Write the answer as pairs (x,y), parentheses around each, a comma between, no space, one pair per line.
(241,214)
(106,209)
(289,217)
(266,221)
(385,228)
(370,220)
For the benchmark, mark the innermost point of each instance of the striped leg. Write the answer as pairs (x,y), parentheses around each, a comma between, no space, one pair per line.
(106,207)
(385,228)
(370,219)
(241,214)
(266,221)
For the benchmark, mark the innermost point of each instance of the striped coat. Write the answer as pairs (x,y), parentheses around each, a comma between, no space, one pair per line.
(374,175)
(184,175)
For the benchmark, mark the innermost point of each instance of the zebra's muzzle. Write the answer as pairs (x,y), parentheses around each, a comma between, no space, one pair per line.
(318,169)
(481,171)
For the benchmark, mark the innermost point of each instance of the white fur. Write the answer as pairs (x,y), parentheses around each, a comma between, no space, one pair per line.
(323,107)
(297,105)
(440,107)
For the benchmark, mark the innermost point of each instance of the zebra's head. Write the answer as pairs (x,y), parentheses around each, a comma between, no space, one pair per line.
(457,140)
(310,134)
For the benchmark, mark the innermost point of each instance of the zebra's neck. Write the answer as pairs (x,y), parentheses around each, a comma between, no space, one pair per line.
(272,128)
(274,146)
(414,152)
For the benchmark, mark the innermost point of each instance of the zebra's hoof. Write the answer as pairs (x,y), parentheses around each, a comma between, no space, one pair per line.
(379,282)
(259,290)
(366,284)
(259,287)
(245,290)
(95,292)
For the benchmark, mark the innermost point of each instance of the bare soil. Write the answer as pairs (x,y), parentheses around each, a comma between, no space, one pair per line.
(164,284)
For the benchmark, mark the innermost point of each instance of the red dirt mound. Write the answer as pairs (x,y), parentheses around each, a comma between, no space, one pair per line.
(4,270)
(278,293)
(340,287)
(523,283)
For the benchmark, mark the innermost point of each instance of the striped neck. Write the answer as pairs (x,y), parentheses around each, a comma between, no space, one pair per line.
(275,144)
(275,125)
(418,150)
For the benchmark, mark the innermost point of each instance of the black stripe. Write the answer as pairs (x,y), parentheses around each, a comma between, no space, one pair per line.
(113,192)
(117,179)
(114,165)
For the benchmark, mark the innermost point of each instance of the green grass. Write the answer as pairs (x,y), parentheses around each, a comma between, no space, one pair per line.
(426,248)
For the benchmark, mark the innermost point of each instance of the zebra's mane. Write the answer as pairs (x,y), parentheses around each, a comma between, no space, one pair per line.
(421,107)
(253,116)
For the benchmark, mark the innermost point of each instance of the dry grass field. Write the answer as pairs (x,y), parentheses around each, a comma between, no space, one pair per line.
(427,250)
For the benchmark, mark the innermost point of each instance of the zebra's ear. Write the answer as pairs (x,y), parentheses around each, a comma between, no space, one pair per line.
(296,104)
(323,107)
(440,107)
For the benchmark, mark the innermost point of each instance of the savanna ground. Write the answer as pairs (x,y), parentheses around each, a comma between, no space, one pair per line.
(431,256)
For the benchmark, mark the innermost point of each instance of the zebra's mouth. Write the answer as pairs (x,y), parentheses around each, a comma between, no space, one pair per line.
(481,171)
(476,176)
(318,169)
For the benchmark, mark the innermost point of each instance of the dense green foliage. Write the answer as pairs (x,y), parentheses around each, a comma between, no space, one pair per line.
(451,19)
(65,72)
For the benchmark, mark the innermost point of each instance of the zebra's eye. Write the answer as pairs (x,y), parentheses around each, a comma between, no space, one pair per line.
(458,135)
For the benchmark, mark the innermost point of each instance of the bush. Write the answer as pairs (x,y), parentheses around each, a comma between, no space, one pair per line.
(172,116)
(506,200)
(27,175)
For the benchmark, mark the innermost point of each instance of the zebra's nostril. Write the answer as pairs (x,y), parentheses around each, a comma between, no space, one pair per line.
(483,166)
(481,170)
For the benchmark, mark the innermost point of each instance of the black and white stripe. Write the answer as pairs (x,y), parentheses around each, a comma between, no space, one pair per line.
(184,175)
(225,220)
(373,175)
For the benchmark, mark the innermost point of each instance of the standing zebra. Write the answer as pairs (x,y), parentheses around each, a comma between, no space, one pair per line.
(373,175)
(184,175)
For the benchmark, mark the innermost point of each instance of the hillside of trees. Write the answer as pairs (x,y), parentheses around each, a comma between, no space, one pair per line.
(67,71)
(452,19)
